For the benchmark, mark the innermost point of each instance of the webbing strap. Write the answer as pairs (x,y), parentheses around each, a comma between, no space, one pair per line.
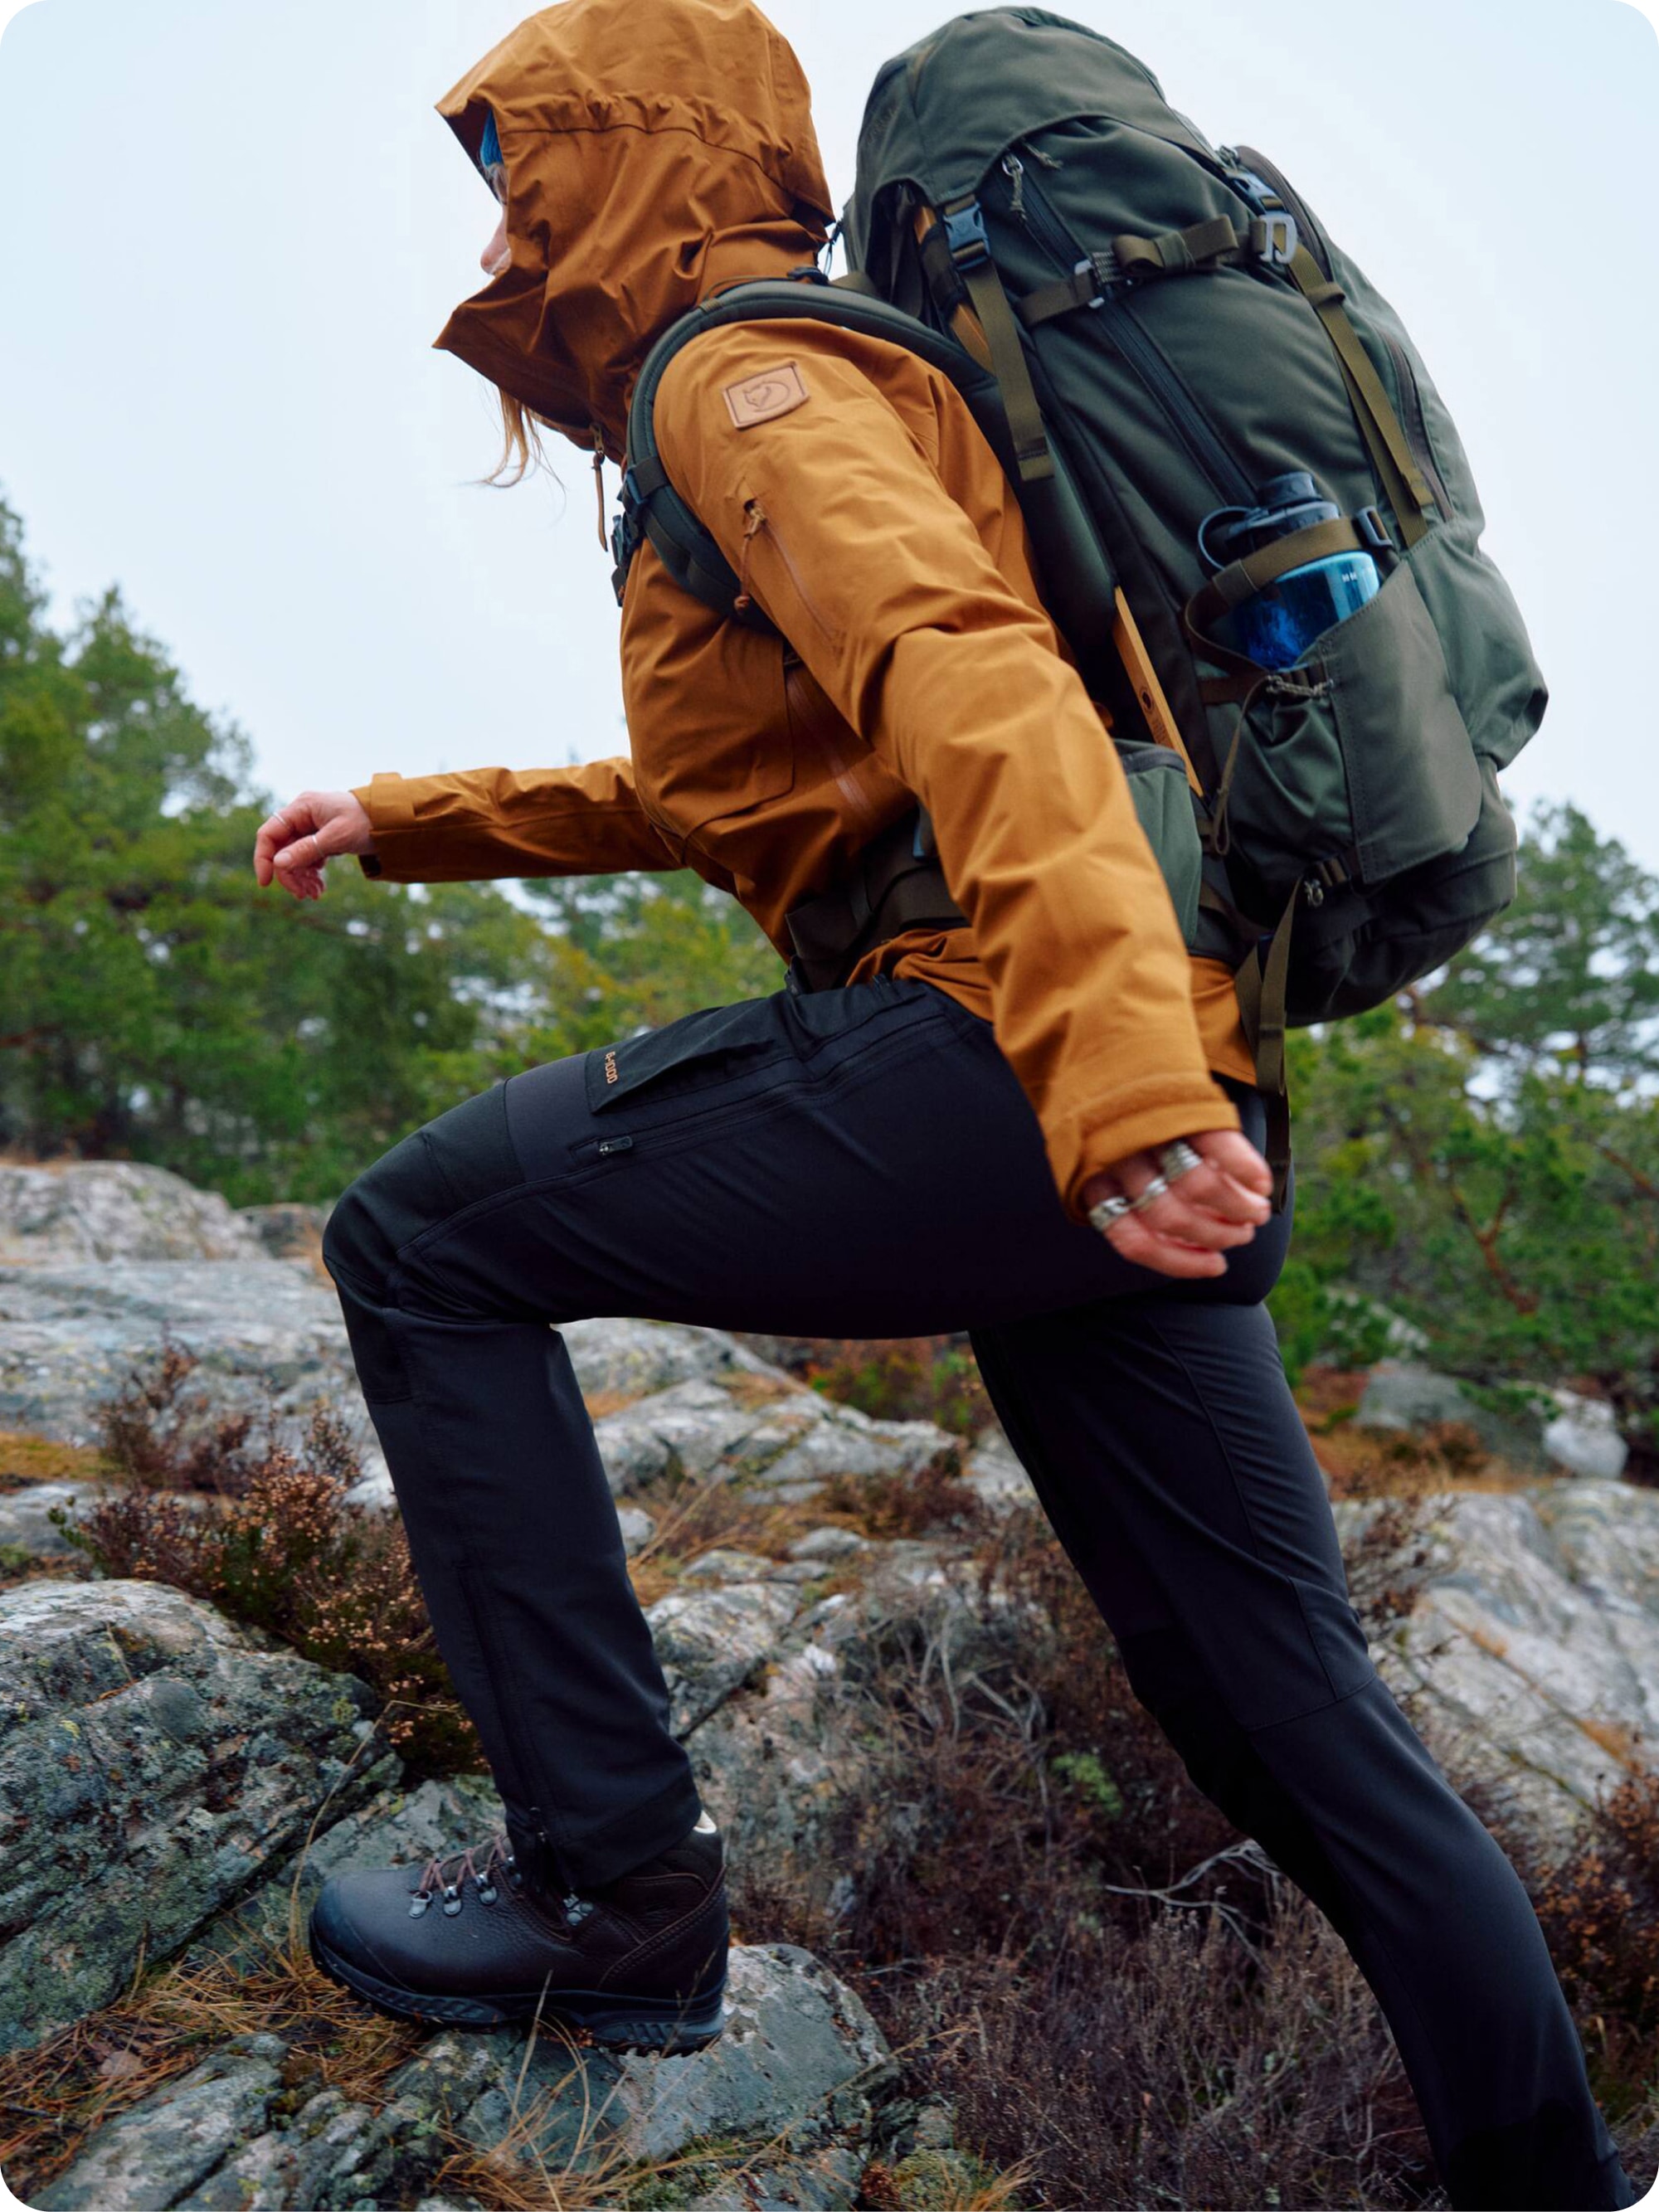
(1173,252)
(1082,289)
(1408,495)
(1242,579)
(996,319)
(1261,986)
(961,236)
(1198,249)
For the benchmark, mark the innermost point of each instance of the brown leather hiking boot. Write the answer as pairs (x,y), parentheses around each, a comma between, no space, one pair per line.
(470,1941)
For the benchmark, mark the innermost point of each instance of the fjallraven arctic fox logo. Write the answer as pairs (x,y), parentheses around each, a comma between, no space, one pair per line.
(762,398)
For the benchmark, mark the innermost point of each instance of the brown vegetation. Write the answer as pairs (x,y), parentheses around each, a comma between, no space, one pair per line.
(267,1536)
(913,1378)
(1123,1999)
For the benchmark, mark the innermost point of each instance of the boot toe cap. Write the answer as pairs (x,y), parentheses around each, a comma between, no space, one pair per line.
(359,1916)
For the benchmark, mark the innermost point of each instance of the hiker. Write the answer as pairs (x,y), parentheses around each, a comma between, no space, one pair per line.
(1025,1111)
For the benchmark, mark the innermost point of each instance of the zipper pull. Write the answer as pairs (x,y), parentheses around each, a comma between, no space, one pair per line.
(1014,169)
(599,481)
(751,529)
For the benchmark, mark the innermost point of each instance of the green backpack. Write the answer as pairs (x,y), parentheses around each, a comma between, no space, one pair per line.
(1168,327)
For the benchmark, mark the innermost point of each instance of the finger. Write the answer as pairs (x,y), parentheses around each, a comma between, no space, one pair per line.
(304,852)
(301,881)
(1236,1156)
(1210,1189)
(1188,1217)
(1143,1247)
(274,833)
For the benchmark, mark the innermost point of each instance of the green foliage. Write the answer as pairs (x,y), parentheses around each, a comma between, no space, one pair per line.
(156,1005)
(1483,1156)
(630,952)
(1086,1774)
(924,1379)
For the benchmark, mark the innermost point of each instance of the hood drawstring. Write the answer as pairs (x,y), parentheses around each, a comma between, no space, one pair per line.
(598,482)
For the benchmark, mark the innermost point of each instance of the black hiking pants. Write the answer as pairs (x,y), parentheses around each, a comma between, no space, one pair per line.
(863,1162)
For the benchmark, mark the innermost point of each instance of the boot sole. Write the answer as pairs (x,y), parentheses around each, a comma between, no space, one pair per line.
(619,2022)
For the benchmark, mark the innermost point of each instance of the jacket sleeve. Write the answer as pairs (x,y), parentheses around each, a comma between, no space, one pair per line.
(485,822)
(838,518)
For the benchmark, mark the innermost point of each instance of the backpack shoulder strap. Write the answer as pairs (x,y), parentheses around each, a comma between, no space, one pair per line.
(653,509)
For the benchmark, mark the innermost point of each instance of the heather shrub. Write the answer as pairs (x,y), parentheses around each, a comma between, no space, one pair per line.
(920,1378)
(267,1535)
(1125,2001)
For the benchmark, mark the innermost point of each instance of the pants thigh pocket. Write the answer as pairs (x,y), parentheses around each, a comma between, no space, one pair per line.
(694,1053)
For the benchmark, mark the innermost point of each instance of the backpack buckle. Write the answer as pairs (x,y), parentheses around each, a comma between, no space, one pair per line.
(625,536)
(1375,531)
(1273,237)
(1102,270)
(965,236)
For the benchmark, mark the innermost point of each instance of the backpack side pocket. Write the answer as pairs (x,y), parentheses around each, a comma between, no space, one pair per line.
(1164,802)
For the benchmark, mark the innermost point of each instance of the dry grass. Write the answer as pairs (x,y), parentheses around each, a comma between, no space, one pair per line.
(693,1518)
(54,2097)
(1124,2000)
(1370,1462)
(25,1459)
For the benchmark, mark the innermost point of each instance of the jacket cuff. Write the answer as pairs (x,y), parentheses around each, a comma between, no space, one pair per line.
(390,810)
(1096,1138)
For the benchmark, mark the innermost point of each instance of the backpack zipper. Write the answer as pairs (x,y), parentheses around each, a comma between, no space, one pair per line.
(1226,479)
(1413,423)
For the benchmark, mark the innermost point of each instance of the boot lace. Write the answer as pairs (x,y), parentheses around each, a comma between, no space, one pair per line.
(438,1881)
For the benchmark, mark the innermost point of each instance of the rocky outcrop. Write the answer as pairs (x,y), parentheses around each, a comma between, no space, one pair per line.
(114,1210)
(106,1263)
(1531,1654)
(152,1762)
(1549,1431)
(172,1788)
(787,2084)
(267,1335)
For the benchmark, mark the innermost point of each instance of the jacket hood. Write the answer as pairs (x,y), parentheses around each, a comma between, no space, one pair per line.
(655,151)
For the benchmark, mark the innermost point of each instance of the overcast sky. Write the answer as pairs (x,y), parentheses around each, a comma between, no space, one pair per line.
(228,234)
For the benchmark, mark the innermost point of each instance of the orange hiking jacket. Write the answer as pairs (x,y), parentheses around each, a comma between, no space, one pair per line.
(657,150)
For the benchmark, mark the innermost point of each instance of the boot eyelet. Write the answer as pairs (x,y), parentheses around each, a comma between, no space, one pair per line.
(418,1903)
(486,1893)
(452,1900)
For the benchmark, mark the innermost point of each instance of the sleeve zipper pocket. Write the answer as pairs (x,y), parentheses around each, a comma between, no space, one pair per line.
(756,518)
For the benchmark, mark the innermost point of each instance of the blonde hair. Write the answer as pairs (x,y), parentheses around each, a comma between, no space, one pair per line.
(522,451)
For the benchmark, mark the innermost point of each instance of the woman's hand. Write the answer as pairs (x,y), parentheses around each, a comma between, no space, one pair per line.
(1204,1213)
(293,846)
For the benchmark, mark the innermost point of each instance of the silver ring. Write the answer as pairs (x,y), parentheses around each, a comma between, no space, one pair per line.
(1178,1159)
(1157,1188)
(1103,1214)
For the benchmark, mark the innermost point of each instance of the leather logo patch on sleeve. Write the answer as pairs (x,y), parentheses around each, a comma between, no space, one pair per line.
(762,398)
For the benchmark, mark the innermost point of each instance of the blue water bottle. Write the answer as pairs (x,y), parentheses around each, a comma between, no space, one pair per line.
(1277,624)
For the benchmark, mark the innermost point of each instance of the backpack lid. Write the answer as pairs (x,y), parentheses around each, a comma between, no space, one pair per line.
(941,112)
